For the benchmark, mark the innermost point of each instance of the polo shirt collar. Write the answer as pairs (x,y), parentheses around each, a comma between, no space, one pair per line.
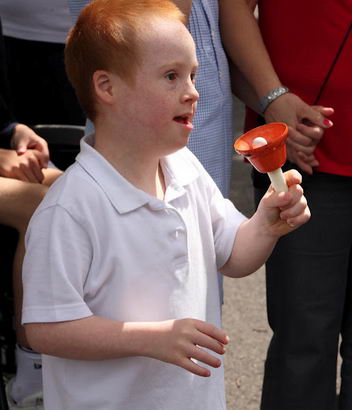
(125,197)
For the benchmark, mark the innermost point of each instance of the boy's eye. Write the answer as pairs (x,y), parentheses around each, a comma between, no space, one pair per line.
(171,76)
(193,77)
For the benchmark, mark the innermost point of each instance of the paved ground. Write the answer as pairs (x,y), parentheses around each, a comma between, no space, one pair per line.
(244,312)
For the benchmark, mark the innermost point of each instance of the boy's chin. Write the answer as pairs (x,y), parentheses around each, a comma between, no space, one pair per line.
(178,147)
(182,144)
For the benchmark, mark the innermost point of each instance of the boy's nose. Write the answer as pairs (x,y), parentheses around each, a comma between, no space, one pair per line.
(191,93)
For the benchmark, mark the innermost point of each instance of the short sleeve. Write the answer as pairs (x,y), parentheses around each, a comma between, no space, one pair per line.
(225,219)
(56,265)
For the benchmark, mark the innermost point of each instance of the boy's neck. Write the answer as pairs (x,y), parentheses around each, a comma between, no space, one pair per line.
(143,172)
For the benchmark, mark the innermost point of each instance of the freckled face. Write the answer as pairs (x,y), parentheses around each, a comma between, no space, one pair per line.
(160,106)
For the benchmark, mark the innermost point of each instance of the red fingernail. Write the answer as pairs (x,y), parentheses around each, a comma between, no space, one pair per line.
(328,123)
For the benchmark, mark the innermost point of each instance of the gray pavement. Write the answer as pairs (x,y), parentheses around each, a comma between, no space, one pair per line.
(244,311)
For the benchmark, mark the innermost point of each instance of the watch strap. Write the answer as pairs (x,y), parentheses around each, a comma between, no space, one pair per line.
(272,96)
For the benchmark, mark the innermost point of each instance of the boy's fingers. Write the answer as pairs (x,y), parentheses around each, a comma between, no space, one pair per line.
(300,219)
(194,368)
(210,343)
(295,196)
(204,357)
(296,209)
(212,331)
(283,200)
(292,177)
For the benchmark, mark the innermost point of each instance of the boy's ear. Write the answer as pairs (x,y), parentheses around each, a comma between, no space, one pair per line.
(103,83)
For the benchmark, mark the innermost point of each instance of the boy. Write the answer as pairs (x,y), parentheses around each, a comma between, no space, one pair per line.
(122,254)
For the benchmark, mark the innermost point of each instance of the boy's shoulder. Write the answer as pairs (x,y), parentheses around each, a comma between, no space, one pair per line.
(72,187)
(79,182)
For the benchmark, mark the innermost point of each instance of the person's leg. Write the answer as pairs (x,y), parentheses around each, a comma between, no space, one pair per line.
(17,204)
(306,286)
(18,201)
(345,399)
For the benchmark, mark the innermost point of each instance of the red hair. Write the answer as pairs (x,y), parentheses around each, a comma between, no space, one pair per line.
(105,37)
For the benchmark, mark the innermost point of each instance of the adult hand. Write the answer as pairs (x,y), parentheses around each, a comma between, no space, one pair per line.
(26,167)
(24,138)
(306,126)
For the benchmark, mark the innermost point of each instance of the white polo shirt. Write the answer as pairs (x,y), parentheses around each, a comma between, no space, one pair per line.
(98,245)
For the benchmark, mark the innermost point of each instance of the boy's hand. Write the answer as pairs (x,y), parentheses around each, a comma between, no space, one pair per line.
(281,213)
(180,341)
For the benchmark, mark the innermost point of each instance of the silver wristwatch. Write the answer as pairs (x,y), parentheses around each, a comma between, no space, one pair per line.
(269,98)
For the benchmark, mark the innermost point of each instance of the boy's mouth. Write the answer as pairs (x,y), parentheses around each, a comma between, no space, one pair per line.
(183,119)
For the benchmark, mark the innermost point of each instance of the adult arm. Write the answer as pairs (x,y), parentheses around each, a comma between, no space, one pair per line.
(247,52)
(250,56)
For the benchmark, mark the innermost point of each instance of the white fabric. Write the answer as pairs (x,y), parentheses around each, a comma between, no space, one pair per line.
(98,245)
(28,378)
(38,20)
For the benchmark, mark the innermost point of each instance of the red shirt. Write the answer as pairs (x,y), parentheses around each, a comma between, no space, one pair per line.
(303,38)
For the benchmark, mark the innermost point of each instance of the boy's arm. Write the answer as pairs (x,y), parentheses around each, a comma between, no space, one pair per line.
(97,338)
(277,215)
